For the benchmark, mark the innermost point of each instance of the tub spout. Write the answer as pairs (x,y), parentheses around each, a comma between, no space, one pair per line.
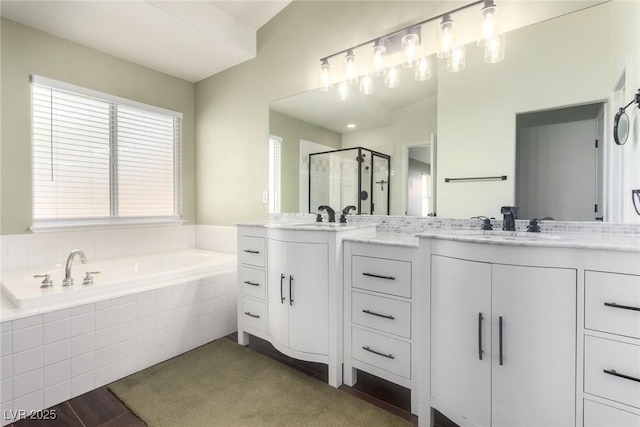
(68,280)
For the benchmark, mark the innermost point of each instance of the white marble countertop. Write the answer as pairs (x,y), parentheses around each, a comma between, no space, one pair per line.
(601,241)
(388,238)
(308,226)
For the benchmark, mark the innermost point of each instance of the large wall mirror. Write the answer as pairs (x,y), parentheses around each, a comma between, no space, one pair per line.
(529,114)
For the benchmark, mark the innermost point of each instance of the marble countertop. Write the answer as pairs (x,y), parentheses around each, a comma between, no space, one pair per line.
(614,242)
(308,226)
(388,238)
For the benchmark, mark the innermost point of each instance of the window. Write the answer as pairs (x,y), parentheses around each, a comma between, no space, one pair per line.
(102,159)
(275,173)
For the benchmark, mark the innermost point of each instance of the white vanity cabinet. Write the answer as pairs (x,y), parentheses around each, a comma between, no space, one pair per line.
(380,315)
(298,297)
(500,335)
(300,309)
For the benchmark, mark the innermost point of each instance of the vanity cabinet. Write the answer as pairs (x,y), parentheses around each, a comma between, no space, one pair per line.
(380,313)
(298,295)
(611,349)
(503,343)
(252,289)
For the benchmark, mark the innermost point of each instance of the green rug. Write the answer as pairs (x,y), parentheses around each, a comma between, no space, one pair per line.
(225,384)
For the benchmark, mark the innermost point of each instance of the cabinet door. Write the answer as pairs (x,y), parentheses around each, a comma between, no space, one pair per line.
(535,384)
(460,379)
(308,290)
(277,307)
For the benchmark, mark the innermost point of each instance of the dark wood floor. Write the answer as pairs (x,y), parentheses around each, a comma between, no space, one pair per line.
(101,408)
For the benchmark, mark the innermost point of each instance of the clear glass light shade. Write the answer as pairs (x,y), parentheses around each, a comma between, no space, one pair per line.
(391,78)
(378,52)
(325,76)
(366,85)
(423,69)
(488,23)
(410,44)
(350,67)
(494,49)
(456,61)
(446,37)
(343,91)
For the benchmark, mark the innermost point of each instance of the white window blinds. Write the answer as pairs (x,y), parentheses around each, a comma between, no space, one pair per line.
(275,173)
(96,156)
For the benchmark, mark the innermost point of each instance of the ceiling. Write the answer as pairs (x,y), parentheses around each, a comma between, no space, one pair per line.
(190,40)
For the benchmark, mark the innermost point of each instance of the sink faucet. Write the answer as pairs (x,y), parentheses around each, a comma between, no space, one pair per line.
(330,212)
(68,280)
(486,222)
(509,221)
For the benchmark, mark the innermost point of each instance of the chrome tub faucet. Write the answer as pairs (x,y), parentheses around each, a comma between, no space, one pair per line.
(68,280)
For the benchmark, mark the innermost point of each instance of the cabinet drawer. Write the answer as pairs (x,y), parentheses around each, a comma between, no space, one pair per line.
(603,354)
(253,282)
(381,313)
(254,314)
(599,415)
(252,250)
(388,276)
(383,352)
(621,293)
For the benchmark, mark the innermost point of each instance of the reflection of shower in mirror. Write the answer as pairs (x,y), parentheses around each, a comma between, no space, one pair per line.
(354,176)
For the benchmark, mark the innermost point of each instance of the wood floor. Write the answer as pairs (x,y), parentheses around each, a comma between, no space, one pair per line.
(101,408)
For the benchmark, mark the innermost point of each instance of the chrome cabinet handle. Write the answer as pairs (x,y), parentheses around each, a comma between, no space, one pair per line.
(616,374)
(386,316)
(388,356)
(377,276)
(248,313)
(251,283)
(624,307)
(251,251)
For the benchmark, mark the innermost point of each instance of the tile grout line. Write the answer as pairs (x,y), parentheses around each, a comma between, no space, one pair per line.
(75,413)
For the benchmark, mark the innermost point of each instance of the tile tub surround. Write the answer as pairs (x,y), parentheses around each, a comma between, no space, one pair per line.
(51,357)
(415,225)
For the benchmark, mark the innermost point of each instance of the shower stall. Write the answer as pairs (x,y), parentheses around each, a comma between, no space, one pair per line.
(352,176)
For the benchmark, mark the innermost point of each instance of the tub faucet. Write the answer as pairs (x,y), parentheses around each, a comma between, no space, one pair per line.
(330,212)
(510,213)
(68,280)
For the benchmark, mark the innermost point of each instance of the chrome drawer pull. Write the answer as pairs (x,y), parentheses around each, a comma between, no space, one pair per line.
(388,356)
(250,251)
(378,276)
(386,316)
(624,307)
(248,313)
(615,374)
(251,283)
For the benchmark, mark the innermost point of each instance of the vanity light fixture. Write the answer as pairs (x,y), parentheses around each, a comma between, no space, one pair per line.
(343,91)
(409,41)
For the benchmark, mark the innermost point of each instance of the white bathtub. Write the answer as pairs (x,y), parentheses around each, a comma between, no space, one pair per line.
(118,276)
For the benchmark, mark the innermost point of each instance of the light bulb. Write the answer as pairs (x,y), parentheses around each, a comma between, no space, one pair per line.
(350,67)
(325,76)
(456,61)
(378,52)
(489,23)
(494,49)
(343,91)
(366,85)
(446,38)
(423,69)
(410,44)
(391,78)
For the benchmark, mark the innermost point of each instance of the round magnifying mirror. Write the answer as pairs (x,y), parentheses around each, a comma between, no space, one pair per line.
(621,127)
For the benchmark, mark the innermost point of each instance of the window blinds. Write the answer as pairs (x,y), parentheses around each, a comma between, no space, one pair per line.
(102,158)
(275,173)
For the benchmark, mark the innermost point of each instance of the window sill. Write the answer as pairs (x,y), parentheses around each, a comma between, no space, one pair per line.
(98,224)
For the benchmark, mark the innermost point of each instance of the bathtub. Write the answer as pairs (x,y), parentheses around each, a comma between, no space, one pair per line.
(118,276)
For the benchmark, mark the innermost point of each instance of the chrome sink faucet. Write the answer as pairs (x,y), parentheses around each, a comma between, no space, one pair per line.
(68,280)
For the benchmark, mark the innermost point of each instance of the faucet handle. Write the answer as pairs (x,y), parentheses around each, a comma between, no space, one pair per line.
(46,281)
(88,279)
(533,226)
(318,216)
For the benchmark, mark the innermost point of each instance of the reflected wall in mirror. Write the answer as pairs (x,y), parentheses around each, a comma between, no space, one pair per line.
(549,66)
